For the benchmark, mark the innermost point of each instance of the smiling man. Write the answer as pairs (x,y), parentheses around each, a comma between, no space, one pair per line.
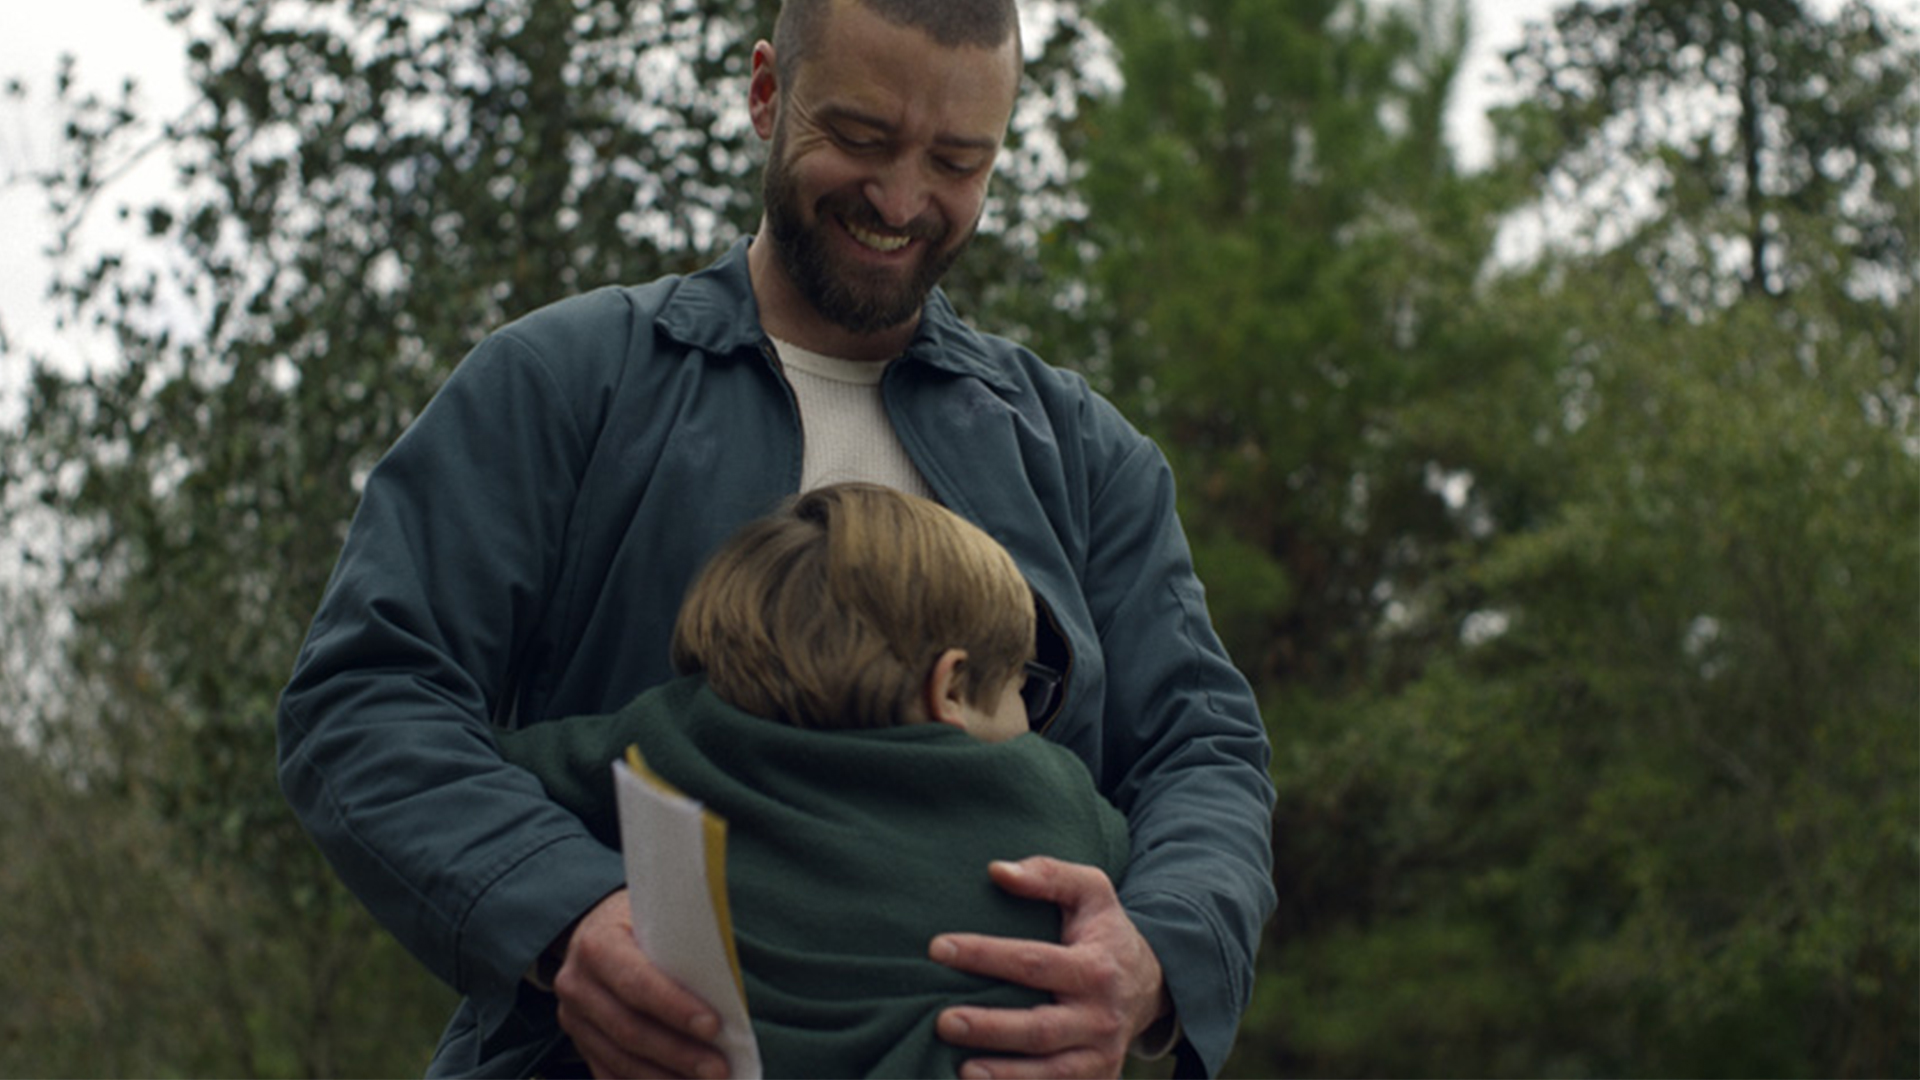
(520,554)
(881,152)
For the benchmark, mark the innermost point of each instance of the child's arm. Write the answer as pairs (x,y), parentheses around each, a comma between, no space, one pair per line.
(572,759)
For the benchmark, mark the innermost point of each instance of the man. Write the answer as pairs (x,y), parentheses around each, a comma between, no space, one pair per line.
(520,553)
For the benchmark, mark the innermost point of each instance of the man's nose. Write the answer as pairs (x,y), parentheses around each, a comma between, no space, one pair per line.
(898,193)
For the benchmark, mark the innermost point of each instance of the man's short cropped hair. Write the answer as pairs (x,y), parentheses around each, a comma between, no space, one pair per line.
(831,612)
(984,24)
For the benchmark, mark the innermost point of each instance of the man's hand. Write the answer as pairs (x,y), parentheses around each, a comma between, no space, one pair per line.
(1106,982)
(626,1017)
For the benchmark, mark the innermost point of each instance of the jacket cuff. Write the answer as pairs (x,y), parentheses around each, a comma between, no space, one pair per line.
(511,925)
(1209,992)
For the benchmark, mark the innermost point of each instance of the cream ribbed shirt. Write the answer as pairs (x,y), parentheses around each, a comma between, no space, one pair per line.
(844,425)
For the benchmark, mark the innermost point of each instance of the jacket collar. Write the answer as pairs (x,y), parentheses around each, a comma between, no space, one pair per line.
(714,311)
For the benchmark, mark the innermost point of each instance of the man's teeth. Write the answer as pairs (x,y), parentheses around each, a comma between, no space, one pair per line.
(878,241)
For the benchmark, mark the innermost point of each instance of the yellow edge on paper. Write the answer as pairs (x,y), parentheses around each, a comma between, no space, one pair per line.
(714,830)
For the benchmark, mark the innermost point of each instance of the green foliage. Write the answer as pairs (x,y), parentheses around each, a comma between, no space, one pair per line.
(1672,807)
(127,955)
(1275,241)
(1651,805)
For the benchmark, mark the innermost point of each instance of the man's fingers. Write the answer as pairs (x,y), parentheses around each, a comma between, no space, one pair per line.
(625,1016)
(603,956)
(1071,885)
(1053,1041)
(617,1041)
(609,1057)
(1105,979)
(667,1005)
(1045,1029)
(1063,970)
(1038,964)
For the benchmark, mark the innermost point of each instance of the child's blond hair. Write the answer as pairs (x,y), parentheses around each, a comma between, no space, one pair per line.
(831,612)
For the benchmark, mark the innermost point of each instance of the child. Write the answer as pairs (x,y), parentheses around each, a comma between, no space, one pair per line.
(851,703)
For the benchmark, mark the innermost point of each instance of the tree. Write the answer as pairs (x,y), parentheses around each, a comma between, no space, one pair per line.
(1274,257)
(1653,812)
(1749,443)
(1777,146)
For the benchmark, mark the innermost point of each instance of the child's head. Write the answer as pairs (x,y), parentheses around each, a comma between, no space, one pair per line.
(857,606)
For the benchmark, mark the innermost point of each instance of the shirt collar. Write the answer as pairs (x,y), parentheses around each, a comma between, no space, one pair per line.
(714,310)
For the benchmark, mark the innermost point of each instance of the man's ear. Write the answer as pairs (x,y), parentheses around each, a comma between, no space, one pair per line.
(941,696)
(763,90)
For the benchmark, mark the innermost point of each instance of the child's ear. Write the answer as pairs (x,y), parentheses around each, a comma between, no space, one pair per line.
(941,695)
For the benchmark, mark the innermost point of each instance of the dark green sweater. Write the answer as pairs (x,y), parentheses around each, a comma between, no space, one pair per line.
(847,852)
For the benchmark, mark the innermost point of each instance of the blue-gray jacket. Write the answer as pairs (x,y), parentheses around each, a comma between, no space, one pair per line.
(520,554)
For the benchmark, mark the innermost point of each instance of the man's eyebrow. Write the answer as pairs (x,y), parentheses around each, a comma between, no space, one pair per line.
(851,115)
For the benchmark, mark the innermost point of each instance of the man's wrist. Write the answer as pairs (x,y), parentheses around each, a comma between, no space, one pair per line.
(546,966)
(1161,1034)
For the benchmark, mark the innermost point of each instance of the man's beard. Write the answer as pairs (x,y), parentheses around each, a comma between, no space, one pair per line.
(859,299)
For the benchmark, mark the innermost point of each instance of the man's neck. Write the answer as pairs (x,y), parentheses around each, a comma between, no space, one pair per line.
(787,315)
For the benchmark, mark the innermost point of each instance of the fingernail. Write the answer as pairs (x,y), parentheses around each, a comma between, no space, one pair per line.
(943,950)
(973,1071)
(705,1027)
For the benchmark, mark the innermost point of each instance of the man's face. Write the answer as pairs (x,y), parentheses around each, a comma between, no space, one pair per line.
(881,154)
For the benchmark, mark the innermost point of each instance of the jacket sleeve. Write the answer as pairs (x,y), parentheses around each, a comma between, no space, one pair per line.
(1187,752)
(386,749)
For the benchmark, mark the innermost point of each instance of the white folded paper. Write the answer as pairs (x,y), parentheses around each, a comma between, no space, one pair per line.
(676,859)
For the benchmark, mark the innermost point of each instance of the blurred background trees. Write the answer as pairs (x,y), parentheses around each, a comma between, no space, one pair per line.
(1565,513)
